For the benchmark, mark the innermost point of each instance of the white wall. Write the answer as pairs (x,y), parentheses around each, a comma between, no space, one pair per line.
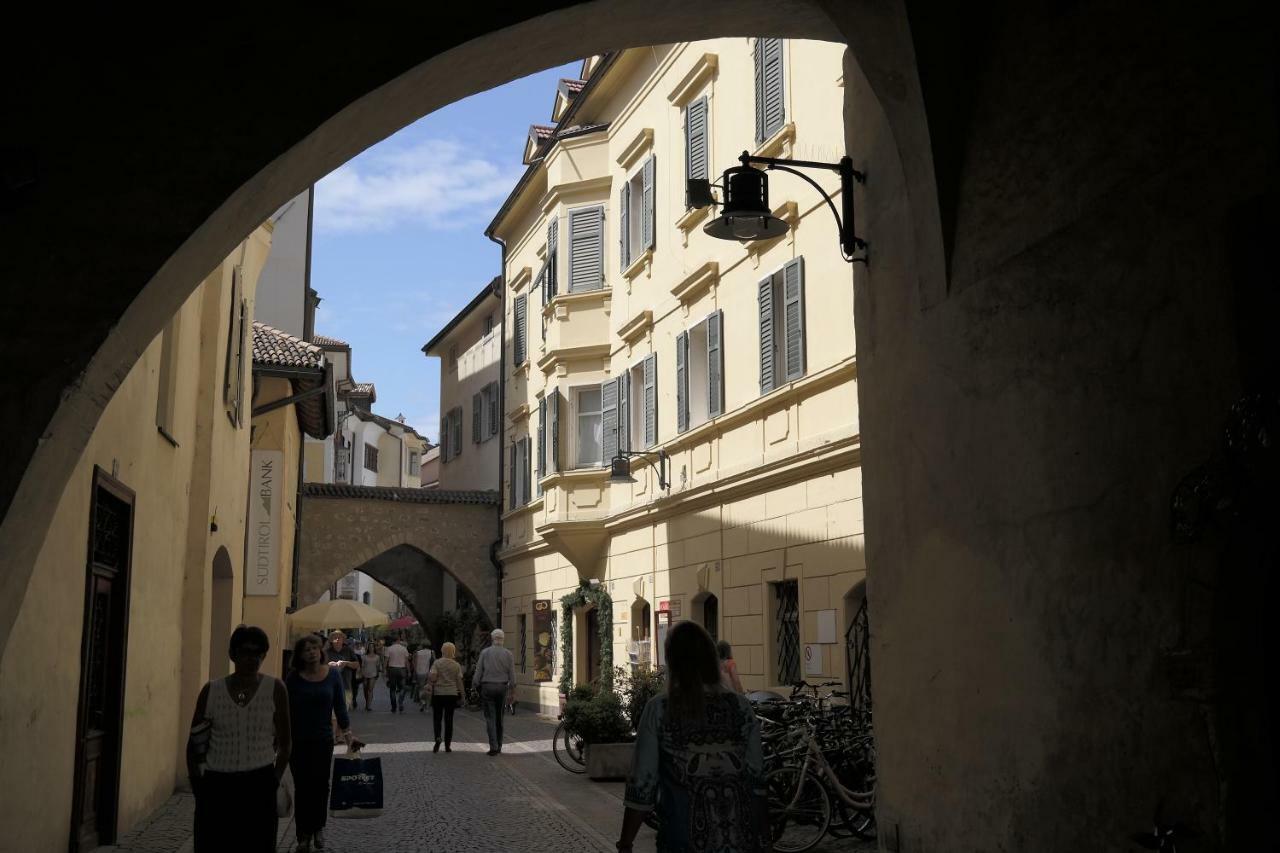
(282,290)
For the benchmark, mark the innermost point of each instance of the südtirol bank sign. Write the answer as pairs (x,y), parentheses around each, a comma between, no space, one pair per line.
(266,484)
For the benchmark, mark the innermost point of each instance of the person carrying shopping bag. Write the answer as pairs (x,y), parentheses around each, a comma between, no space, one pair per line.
(316,695)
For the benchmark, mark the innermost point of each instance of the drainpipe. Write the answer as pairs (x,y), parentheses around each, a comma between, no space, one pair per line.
(309,330)
(502,410)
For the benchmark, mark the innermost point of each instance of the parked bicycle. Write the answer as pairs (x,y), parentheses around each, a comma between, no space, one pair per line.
(568,749)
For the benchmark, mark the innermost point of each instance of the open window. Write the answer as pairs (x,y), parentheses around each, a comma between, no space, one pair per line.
(782,322)
(700,372)
(590,428)
(636,214)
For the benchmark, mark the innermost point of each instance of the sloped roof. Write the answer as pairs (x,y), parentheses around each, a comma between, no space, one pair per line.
(326,341)
(365,388)
(571,87)
(406,495)
(274,348)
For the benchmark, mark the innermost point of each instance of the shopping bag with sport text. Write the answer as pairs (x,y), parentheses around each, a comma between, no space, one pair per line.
(357,787)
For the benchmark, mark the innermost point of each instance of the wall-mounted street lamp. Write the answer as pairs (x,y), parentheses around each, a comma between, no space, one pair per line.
(620,467)
(745,213)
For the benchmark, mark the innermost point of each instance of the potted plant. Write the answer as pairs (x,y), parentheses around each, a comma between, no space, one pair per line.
(597,716)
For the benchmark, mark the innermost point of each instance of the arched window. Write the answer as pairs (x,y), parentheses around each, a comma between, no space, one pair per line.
(711,616)
(367,597)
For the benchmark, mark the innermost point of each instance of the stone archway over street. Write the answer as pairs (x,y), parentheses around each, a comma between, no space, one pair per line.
(396,535)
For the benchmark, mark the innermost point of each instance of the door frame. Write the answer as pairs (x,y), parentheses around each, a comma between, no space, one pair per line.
(109,816)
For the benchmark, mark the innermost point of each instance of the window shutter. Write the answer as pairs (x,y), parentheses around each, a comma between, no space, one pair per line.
(553,250)
(586,249)
(766,335)
(553,404)
(624,225)
(715,364)
(457,432)
(647,223)
(774,109)
(650,400)
(444,439)
(759,65)
(695,141)
(609,419)
(793,310)
(526,493)
(682,382)
(624,410)
(513,491)
(521,342)
(542,440)
(493,408)
(477,416)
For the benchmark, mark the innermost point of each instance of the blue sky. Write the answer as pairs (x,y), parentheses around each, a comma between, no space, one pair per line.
(399,246)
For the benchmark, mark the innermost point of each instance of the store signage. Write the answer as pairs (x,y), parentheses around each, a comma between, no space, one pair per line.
(671,606)
(266,486)
(543,648)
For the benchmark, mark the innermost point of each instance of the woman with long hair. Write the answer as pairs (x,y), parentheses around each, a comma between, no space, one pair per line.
(446,691)
(247,718)
(316,695)
(697,758)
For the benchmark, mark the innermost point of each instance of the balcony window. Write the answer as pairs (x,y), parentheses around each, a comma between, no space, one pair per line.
(590,427)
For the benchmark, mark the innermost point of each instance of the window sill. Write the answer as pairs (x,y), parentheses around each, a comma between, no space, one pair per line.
(531,506)
(642,264)
(586,475)
(780,144)
(690,220)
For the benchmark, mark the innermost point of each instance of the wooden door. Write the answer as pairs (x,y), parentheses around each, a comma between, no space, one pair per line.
(593,645)
(100,717)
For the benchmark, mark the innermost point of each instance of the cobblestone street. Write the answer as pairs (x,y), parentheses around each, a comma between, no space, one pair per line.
(441,802)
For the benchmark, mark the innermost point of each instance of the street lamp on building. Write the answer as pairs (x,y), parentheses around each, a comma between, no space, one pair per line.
(745,213)
(620,466)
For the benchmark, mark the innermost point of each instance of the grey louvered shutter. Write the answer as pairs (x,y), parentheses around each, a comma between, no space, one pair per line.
(444,439)
(648,213)
(624,411)
(513,491)
(521,338)
(695,141)
(477,416)
(767,378)
(650,400)
(682,382)
(553,401)
(715,364)
(609,418)
(494,406)
(624,225)
(774,109)
(793,311)
(542,441)
(553,249)
(525,473)
(457,431)
(759,66)
(586,249)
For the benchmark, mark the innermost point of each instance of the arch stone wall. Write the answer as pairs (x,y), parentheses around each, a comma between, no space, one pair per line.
(403,538)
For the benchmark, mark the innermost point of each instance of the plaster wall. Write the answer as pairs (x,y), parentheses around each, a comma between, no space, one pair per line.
(477,366)
(282,290)
(391,458)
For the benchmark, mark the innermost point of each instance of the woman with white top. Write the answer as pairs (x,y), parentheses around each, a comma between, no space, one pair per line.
(249,746)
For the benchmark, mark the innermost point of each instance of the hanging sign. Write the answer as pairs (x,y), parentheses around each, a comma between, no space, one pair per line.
(543,641)
(266,485)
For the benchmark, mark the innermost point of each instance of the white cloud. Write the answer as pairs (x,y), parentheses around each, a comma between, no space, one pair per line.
(437,183)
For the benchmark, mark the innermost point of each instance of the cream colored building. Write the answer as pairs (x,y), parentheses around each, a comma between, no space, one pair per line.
(470,349)
(143,575)
(626,326)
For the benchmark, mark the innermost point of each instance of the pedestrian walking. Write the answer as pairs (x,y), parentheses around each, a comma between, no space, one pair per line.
(728,668)
(423,658)
(370,671)
(697,758)
(495,681)
(446,691)
(397,673)
(340,656)
(248,749)
(315,695)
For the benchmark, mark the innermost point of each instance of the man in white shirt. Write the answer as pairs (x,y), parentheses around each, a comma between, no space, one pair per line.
(397,672)
(422,660)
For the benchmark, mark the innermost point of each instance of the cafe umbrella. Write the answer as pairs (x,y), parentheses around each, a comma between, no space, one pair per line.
(338,613)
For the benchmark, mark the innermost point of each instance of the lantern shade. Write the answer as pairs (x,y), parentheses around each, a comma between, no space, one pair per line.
(745,215)
(620,470)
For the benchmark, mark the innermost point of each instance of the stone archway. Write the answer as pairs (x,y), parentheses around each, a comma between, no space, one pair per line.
(404,538)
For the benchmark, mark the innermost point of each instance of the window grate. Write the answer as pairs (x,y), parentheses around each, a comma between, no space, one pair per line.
(858,657)
(524,642)
(554,644)
(788,631)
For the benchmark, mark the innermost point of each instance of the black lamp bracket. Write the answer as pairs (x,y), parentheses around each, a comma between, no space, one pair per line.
(663,458)
(850,243)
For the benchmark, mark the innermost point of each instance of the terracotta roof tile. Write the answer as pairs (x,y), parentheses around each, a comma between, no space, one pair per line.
(364,388)
(571,86)
(274,348)
(542,131)
(326,341)
(390,493)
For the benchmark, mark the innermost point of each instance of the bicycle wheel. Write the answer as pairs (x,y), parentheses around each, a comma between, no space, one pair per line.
(567,748)
(799,809)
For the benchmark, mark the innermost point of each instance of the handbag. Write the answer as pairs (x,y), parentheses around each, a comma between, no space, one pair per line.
(284,795)
(356,789)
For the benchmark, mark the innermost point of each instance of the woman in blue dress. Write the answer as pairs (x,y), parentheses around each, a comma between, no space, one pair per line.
(698,759)
(316,695)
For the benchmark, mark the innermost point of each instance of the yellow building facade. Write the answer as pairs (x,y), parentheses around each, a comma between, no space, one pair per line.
(629,329)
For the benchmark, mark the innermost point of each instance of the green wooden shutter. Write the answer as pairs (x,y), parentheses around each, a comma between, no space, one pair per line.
(648,213)
(609,419)
(650,400)
(682,382)
(696,163)
(793,312)
(715,364)
(521,330)
(775,114)
(624,225)
(586,249)
(767,373)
